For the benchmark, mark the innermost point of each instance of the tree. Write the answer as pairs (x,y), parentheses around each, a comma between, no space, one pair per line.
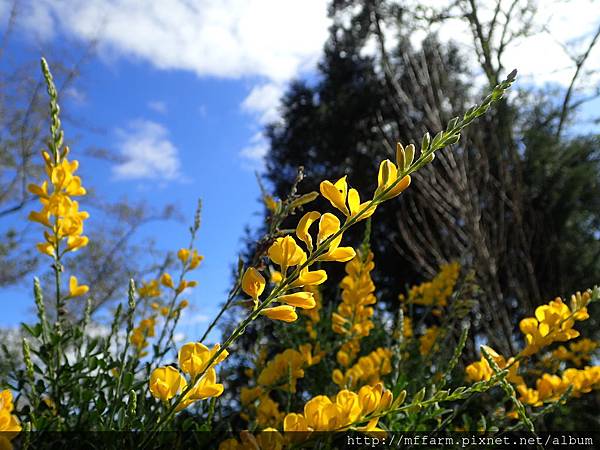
(515,200)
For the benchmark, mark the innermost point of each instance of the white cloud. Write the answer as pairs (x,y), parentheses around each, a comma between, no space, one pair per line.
(158,106)
(254,153)
(147,153)
(77,96)
(268,40)
(263,101)
(227,38)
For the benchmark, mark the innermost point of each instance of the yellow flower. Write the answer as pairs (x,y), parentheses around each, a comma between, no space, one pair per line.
(328,225)
(167,281)
(528,396)
(230,444)
(147,326)
(253,283)
(310,278)
(143,330)
(481,370)
(370,398)
(183,255)
(285,252)
(338,254)
(75,289)
(166,383)
(284,313)
(270,203)
(195,260)
(304,300)
(6,400)
(248,395)
(368,369)
(294,422)
(343,358)
(336,193)
(267,412)
(302,230)
(206,387)
(321,414)
(194,357)
(9,424)
(349,406)
(276,277)
(283,369)
(356,206)
(270,439)
(388,174)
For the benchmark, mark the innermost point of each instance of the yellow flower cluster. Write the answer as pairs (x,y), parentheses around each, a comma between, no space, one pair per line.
(60,213)
(139,335)
(190,260)
(553,323)
(149,289)
(353,316)
(9,424)
(281,372)
(437,291)
(167,281)
(550,387)
(347,408)
(285,252)
(286,367)
(578,353)
(167,382)
(266,411)
(267,439)
(320,413)
(429,340)
(368,369)
(481,370)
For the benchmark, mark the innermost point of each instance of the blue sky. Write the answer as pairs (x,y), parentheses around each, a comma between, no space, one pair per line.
(183,135)
(181,90)
(201,119)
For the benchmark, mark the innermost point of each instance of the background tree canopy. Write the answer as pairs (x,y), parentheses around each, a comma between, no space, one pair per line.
(517,201)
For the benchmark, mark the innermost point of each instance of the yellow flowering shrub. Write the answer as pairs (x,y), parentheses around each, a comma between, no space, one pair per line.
(339,361)
(552,323)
